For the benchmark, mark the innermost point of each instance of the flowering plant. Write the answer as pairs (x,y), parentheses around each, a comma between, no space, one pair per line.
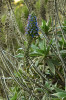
(32,27)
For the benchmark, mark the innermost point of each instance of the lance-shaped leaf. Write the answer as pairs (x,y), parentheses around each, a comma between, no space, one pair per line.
(51,66)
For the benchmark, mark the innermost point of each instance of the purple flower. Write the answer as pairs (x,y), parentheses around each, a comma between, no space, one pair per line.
(32,27)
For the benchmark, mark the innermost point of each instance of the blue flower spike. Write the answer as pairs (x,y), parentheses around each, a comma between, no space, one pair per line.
(32,26)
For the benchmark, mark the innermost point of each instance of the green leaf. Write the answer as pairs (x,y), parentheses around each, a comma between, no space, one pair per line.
(57,89)
(34,46)
(55,61)
(23,98)
(63,53)
(14,97)
(48,86)
(33,54)
(39,89)
(46,29)
(60,94)
(36,62)
(49,23)
(43,23)
(40,51)
(51,66)
(47,50)
(50,41)
(55,99)
(19,55)
(41,45)
(20,50)
(44,97)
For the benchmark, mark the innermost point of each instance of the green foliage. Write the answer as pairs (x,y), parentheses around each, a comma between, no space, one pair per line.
(3,19)
(46,1)
(51,66)
(25,10)
(43,78)
(21,12)
(46,26)
(41,54)
(14,97)
(60,94)
(41,50)
(64,26)
(37,5)
(19,55)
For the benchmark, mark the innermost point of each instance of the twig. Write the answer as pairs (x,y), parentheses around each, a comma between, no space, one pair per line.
(4,87)
(8,2)
(63,64)
(56,8)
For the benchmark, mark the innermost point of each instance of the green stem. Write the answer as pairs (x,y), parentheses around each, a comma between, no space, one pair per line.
(27,51)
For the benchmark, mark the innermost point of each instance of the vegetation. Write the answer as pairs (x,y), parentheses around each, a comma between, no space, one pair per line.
(32,50)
